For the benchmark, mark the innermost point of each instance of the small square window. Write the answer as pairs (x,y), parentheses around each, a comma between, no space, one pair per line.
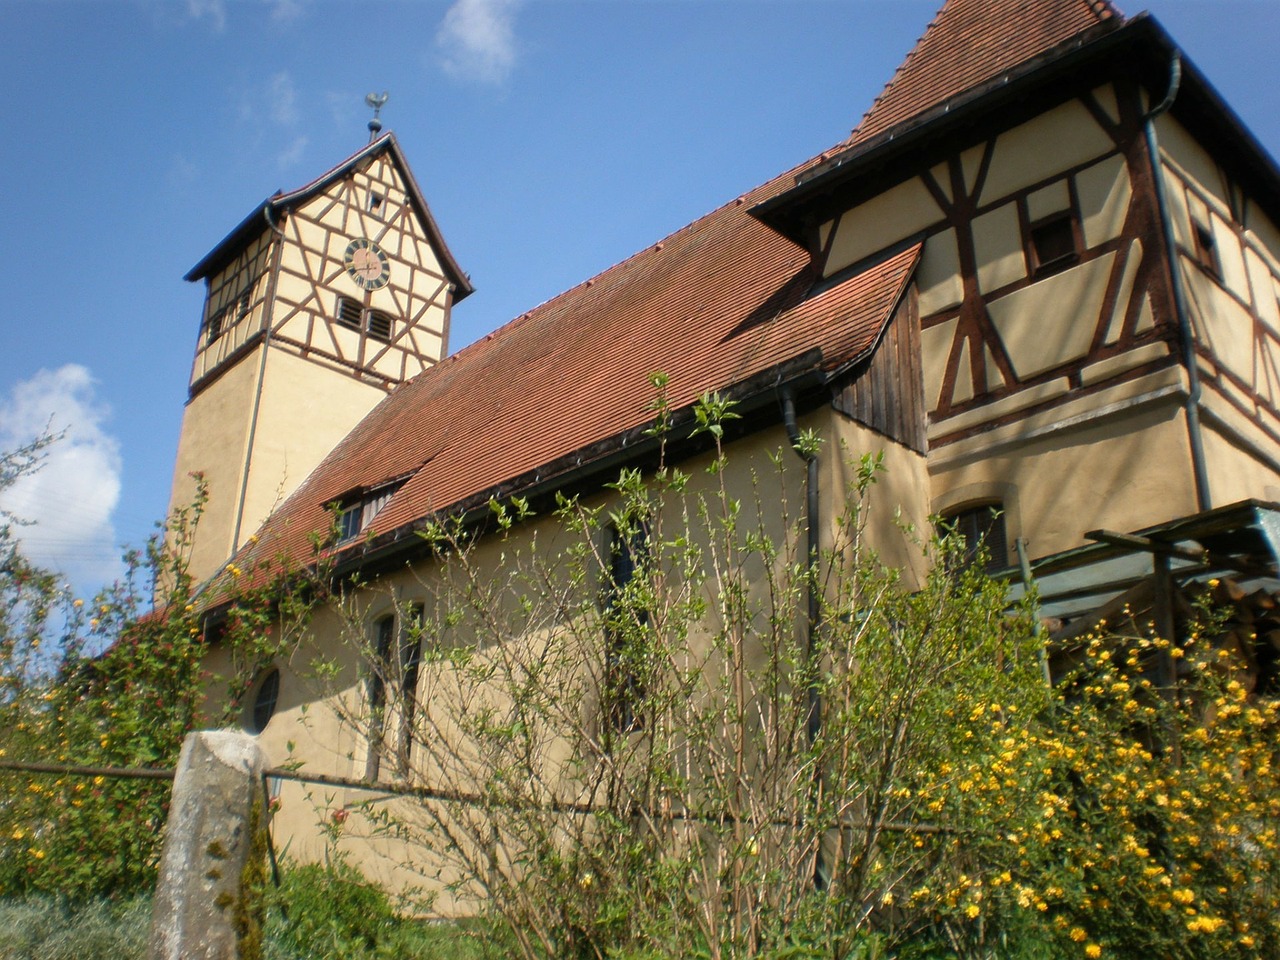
(377,203)
(1053,243)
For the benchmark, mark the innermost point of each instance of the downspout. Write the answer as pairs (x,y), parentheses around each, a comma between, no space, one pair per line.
(813,723)
(1186,335)
(268,309)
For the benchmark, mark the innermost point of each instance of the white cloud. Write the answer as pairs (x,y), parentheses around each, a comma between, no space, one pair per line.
(291,154)
(69,500)
(477,39)
(214,10)
(282,99)
(285,11)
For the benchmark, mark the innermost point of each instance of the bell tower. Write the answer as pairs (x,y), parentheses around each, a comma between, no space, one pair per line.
(317,305)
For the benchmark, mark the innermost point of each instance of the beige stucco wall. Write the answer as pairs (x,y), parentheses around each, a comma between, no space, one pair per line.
(765,481)
(1060,477)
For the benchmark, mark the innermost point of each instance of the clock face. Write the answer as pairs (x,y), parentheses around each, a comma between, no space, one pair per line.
(367,264)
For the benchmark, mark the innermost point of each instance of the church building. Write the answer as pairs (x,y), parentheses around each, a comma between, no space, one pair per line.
(1040,279)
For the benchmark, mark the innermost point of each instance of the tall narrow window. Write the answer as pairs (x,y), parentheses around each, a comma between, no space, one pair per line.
(626,626)
(410,664)
(379,668)
(1206,250)
(376,203)
(214,330)
(981,526)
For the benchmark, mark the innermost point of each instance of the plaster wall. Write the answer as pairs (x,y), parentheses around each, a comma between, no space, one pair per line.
(318,719)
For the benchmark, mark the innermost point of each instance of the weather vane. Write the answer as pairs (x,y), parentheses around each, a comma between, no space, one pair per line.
(377,101)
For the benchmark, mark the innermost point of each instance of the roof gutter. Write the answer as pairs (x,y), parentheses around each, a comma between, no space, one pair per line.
(755,395)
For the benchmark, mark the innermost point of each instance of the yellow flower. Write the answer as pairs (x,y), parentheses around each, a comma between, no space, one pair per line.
(1093,951)
(972,911)
(17,833)
(1078,935)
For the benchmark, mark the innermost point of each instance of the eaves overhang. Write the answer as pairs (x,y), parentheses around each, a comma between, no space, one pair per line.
(1141,45)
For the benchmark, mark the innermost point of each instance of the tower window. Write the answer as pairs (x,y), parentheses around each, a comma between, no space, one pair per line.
(350,313)
(376,323)
(377,202)
(243,310)
(1053,243)
(214,330)
(981,526)
(379,325)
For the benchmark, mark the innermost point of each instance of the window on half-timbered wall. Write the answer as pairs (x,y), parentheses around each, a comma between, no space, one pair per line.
(1052,241)
(1206,250)
(626,618)
(214,328)
(377,323)
(376,203)
(981,530)
(350,313)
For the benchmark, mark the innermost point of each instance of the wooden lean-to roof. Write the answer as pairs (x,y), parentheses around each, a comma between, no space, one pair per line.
(725,304)
(270,210)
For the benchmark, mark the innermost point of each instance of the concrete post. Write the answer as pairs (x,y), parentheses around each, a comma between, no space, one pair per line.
(208,897)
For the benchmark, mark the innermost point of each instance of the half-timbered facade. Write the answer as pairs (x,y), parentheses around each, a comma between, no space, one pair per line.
(318,304)
(1041,275)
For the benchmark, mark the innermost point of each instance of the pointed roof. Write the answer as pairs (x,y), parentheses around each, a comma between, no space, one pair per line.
(972,41)
(724,304)
(266,213)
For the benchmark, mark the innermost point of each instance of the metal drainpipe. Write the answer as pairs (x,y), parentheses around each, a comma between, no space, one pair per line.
(268,305)
(813,723)
(1186,335)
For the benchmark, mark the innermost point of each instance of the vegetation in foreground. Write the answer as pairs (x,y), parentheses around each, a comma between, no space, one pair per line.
(947,803)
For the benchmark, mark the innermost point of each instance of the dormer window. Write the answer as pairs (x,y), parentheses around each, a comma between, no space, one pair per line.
(1053,243)
(357,509)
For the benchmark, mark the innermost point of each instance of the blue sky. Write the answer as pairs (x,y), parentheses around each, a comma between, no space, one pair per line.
(551,138)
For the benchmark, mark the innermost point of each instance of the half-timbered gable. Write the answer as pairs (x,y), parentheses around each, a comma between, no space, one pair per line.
(1015,142)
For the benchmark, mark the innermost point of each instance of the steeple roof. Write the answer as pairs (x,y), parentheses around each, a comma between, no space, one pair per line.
(970,42)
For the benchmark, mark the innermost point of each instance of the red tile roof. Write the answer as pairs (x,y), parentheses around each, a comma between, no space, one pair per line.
(711,306)
(972,41)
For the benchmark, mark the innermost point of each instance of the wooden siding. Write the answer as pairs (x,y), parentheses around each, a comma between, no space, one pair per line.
(886,390)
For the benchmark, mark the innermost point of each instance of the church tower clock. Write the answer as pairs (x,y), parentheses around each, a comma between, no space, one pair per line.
(317,305)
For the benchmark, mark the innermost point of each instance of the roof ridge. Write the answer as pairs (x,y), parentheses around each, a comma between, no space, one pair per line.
(739,200)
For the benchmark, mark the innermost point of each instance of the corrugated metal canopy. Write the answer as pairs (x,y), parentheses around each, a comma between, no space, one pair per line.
(1240,540)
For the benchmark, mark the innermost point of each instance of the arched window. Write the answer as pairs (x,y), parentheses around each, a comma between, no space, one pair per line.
(266,695)
(981,526)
